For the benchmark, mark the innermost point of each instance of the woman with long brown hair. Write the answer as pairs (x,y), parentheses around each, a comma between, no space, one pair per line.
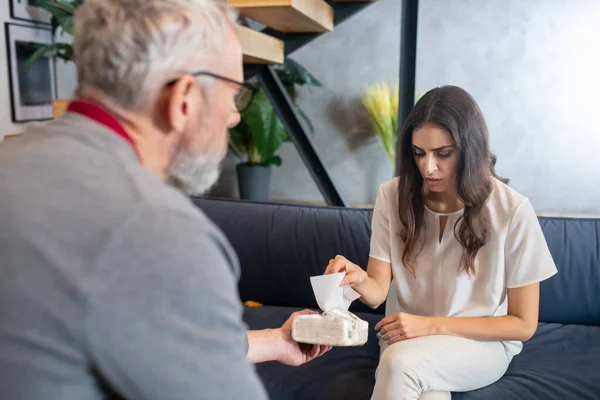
(457,254)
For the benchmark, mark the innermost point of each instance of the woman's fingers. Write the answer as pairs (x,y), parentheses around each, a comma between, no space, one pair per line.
(329,270)
(349,278)
(335,265)
(393,333)
(385,321)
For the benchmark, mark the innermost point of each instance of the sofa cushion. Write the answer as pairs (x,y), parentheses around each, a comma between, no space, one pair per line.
(573,295)
(281,246)
(559,362)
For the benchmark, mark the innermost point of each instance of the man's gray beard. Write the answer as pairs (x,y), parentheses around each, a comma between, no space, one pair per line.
(195,174)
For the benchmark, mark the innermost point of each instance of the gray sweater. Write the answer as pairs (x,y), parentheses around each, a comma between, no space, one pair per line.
(108,275)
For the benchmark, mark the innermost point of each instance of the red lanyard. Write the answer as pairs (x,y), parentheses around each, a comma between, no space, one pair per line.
(102,117)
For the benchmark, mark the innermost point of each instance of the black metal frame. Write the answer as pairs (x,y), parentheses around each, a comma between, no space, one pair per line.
(11,87)
(408,57)
(278,96)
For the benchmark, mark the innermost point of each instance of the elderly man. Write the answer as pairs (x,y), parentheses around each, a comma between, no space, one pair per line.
(109,275)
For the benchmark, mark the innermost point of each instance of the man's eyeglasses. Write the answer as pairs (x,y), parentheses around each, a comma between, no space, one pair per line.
(243,98)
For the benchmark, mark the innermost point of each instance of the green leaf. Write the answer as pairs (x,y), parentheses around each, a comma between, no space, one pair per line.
(278,134)
(292,72)
(62,16)
(290,88)
(55,26)
(60,50)
(258,120)
(58,8)
(39,54)
(62,13)
(66,24)
(275,160)
(264,127)
(303,115)
(238,137)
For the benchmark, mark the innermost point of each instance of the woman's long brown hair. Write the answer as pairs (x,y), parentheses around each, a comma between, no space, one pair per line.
(454,110)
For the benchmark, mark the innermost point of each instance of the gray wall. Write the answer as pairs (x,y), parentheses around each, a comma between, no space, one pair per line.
(534,67)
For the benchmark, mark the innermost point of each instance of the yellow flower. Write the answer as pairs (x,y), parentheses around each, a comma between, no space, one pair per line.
(381,102)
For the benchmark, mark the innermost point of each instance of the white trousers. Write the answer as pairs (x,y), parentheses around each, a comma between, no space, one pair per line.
(430,367)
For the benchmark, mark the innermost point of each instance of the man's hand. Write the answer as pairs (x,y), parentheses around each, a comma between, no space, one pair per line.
(293,353)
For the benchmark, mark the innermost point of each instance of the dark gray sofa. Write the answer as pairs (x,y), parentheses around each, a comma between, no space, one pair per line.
(281,246)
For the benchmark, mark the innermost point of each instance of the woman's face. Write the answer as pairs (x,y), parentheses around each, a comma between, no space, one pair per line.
(436,157)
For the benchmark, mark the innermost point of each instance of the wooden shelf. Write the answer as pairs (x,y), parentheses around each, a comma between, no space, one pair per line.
(288,15)
(259,48)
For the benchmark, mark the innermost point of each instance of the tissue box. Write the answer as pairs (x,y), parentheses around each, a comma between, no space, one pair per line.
(336,327)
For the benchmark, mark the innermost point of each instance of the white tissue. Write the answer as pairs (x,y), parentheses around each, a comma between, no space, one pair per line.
(330,294)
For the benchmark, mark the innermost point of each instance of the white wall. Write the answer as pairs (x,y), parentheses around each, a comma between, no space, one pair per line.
(534,68)
(65,77)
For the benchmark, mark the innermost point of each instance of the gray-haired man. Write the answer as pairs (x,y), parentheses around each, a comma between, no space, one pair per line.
(107,271)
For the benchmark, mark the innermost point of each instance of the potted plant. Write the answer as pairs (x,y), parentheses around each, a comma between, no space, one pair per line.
(260,133)
(62,17)
(381,102)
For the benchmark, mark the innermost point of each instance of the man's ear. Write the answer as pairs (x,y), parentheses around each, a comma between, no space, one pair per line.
(178,104)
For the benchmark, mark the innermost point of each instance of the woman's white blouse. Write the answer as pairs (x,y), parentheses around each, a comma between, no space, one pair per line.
(515,254)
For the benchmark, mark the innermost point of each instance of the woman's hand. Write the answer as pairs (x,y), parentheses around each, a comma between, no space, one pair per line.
(402,326)
(355,275)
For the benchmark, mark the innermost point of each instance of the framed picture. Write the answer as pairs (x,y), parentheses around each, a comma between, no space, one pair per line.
(27,10)
(32,89)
